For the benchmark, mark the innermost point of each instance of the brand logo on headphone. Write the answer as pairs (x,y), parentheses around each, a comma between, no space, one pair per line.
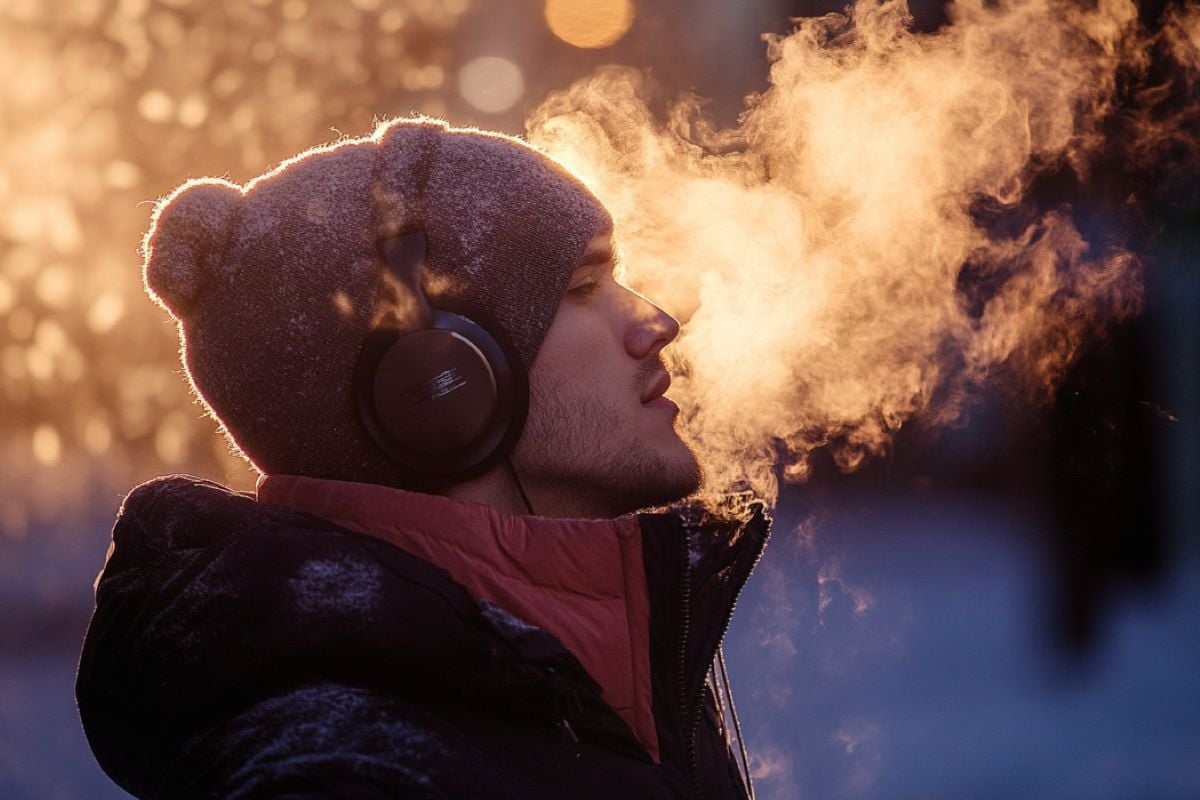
(435,388)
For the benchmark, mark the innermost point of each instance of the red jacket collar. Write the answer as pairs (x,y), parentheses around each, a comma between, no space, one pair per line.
(581,580)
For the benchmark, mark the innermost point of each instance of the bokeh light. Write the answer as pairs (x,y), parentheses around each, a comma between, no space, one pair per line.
(491,84)
(47,445)
(110,105)
(589,23)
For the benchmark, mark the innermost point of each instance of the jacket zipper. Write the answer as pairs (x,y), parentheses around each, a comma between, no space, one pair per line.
(685,614)
(692,717)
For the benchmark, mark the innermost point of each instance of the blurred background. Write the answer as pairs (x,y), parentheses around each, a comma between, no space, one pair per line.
(1007,608)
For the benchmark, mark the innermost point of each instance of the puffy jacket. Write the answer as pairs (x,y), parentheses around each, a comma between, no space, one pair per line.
(241,649)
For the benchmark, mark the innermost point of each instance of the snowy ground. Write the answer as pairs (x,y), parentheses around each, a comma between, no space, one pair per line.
(891,651)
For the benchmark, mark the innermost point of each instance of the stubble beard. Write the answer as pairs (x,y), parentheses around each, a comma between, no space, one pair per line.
(571,458)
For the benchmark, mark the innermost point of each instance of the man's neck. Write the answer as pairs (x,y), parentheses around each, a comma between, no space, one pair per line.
(498,488)
(495,488)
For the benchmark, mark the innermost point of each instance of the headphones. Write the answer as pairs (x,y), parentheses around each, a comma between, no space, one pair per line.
(448,400)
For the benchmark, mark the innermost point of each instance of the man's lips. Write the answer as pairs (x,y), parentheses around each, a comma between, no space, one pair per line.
(658,387)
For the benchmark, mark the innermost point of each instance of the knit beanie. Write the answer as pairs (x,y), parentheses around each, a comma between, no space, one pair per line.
(276,285)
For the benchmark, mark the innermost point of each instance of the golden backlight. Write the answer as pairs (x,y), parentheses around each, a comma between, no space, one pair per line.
(813,250)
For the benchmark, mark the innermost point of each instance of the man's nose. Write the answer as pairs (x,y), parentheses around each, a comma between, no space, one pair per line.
(651,329)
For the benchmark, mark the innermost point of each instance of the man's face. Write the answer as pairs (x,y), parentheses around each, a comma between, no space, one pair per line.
(601,439)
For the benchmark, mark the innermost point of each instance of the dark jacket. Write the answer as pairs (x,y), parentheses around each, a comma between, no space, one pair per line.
(203,675)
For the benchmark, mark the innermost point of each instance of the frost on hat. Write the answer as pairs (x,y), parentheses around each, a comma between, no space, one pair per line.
(276,285)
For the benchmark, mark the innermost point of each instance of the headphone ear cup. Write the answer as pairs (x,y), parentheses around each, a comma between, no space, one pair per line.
(444,400)
(434,391)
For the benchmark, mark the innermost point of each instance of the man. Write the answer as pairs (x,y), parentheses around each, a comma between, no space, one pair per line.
(439,590)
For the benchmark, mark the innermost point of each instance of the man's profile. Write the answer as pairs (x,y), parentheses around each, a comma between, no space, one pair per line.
(441,588)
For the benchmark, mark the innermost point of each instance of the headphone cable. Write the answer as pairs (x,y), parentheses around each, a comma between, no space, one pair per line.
(520,489)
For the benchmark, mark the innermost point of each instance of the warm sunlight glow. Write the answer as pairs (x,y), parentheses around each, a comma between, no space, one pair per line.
(820,251)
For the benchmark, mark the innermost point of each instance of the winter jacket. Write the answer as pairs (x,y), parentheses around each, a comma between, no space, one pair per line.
(243,649)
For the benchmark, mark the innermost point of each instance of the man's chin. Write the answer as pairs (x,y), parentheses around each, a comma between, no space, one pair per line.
(679,476)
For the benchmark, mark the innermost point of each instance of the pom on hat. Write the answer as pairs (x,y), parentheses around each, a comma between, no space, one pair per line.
(188,236)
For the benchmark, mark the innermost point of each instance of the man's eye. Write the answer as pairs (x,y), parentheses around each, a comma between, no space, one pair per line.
(584,289)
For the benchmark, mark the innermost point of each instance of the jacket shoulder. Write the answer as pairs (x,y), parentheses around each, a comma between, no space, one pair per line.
(178,521)
(210,603)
